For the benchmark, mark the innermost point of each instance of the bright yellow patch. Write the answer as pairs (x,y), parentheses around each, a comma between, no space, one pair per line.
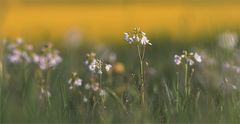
(102,21)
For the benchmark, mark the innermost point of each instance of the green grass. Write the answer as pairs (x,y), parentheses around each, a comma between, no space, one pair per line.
(211,99)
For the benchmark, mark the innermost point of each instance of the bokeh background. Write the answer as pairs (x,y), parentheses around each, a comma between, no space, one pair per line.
(77,27)
(106,20)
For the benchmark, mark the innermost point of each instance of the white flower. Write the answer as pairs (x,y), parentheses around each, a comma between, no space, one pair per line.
(102,93)
(100,72)
(55,60)
(197,57)
(85,99)
(36,58)
(48,94)
(126,36)
(78,82)
(130,40)
(43,63)
(137,36)
(177,59)
(108,67)
(93,65)
(71,87)
(137,39)
(95,87)
(15,58)
(70,81)
(50,60)
(189,58)
(26,57)
(190,62)
(145,41)
(86,62)
(87,86)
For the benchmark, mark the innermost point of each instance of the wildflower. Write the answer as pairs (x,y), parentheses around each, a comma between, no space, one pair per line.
(100,72)
(95,86)
(36,58)
(145,41)
(190,62)
(74,81)
(87,86)
(19,52)
(187,58)
(94,65)
(140,39)
(126,38)
(102,92)
(85,99)
(49,58)
(197,57)
(137,36)
(177,59)
(108,67)
(78,82)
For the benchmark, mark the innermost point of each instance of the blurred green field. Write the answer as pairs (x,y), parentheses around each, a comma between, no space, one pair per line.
(214,97)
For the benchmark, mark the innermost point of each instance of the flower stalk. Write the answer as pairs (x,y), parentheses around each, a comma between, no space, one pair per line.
(187,59)
(186,83)
(141,60)
(139,38)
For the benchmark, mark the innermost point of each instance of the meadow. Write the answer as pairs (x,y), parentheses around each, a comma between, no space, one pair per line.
(137,80)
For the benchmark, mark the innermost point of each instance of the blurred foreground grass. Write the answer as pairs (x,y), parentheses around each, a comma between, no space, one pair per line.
(215,87)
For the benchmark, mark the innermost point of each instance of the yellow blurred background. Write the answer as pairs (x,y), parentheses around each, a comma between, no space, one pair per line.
(101,20)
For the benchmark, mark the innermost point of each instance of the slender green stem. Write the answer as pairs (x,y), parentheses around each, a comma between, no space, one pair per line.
(47,84)
(24,87)
(189,82)
(177,93)
(142,101)
(186,79)
(100,80)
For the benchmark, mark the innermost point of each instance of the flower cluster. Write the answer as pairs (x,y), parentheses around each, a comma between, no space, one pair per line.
(187,58)
(24,53)
(136,36)
(96,65)
(49,58)
(74,81)
(20,52)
